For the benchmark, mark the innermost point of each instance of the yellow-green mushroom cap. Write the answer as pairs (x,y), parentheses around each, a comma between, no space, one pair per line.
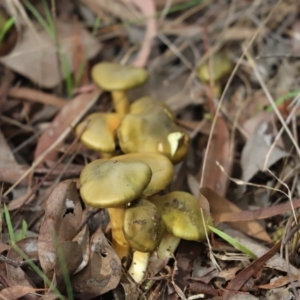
(182,215)
(151,132)
(115,77)
(110,183)
(161,167)
(100,131)
(143,226)
(146,104)
(221,67)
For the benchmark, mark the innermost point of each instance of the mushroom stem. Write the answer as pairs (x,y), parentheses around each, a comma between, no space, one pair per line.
(167,246)
(106,155)
(139,265)
(119,242)
(120,101)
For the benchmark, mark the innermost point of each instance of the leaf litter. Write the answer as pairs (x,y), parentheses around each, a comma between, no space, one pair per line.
(242,164)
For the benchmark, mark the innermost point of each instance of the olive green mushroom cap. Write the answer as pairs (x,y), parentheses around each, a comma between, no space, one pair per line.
(115,77)
(182,215)
(143,226)
(100,131)
(146,104)
(221,67)
(153,131)
(161,167)
(110,183)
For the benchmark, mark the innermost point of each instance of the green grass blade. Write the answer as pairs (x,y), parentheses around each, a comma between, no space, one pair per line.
(8,25)
(233,242)
(49,18)
(9,225)
(281,99)
(65,271)
(39,18)
(67,73)
(35,268)
(38,271)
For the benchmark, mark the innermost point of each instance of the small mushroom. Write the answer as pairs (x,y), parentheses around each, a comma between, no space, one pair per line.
(100,131)
(182,215)
(116,79)
(110,183)
(161,167)
(143,229)
(220,68)
(153,131)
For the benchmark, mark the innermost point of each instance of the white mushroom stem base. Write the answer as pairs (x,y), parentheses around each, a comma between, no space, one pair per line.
(119,242)
(139,266)
(167,246)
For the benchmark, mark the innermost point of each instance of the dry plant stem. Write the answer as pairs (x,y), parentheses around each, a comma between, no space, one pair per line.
(167,246)
(119,242)
(121,103)
(139,265)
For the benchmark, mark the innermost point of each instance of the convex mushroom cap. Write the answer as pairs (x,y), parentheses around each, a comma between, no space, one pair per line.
(182,215)
(143,226)
(100,131)
(111,183)
(161,167)
(115,77)
(153,131)
(221,67)
(146,104)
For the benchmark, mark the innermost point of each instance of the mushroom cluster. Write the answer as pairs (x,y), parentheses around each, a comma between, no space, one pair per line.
(145,126)
(127,185)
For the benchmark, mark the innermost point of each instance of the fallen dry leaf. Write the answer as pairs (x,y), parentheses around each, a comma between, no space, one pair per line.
(82,238)
(63,214)
(16,292)
(256,151)
(257,214)
(35,55)
(103,271)
(236,284)
(218,151)
(18,276)
(276,262)
(279,282)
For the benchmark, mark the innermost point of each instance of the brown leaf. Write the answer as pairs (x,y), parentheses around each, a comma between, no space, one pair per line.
(256,153)
(17,276)
(35,56)
(82,238)
(102,273)
(69,255)
(237,283)
(62,219)
(70,114)
(282,281)
(257,214)
(219,205)
(218,151)
(15,292)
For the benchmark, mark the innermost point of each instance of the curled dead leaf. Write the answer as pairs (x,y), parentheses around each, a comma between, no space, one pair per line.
(102,273)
